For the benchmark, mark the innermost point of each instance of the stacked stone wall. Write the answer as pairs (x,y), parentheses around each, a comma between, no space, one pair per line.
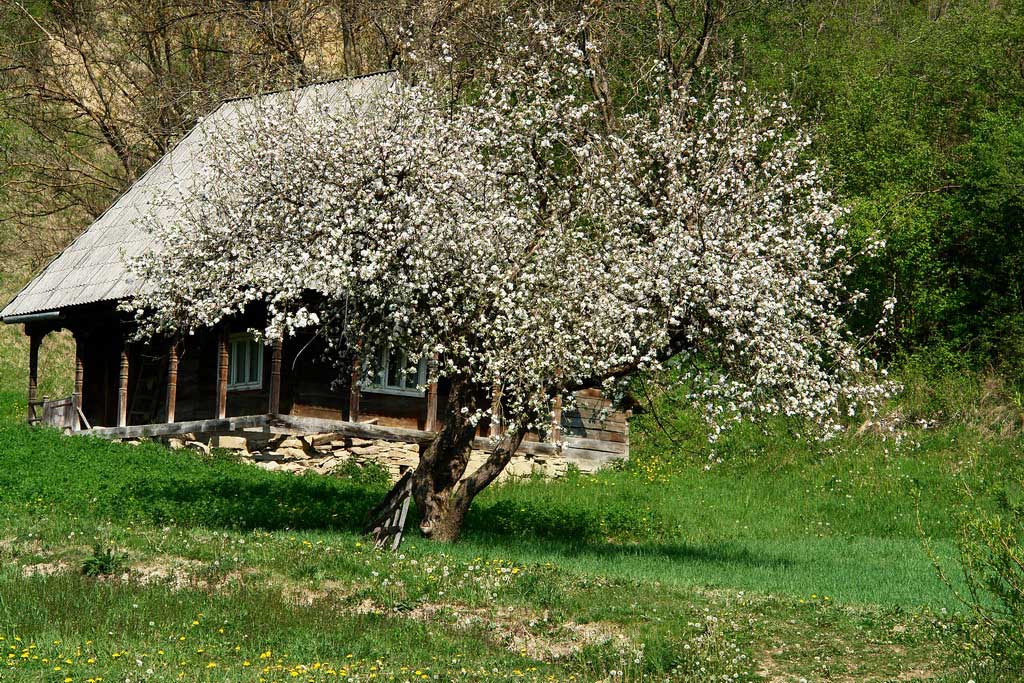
(323,453)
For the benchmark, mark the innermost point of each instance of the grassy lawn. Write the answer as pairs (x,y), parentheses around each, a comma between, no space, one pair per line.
(784,561)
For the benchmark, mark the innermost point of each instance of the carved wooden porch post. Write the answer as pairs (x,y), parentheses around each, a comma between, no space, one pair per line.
(556,420)
(79,370)
(172,380)
(496,409)
(431,422)
(222,374)
(122,388)
(275,378)
(353,392)
(34,340)
(76,400)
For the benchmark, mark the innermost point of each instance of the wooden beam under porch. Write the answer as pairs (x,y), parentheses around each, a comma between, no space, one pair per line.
(293,425)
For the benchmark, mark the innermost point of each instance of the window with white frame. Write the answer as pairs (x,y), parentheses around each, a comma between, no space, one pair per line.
(245,363)
(397,374)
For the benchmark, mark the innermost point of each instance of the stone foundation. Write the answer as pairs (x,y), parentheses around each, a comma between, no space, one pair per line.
(322,453)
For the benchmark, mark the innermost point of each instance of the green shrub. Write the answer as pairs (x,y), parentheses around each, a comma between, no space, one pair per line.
(103,562)
(369,474)
(991,543)
(939,389)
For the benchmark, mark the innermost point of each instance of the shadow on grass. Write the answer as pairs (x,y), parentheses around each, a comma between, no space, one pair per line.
(307,503)
(314,503)
(578,520)
(716,553)
(268,503)
(329,503)
(43,472)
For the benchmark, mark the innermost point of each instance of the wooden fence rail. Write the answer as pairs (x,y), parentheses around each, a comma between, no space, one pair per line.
(60,413)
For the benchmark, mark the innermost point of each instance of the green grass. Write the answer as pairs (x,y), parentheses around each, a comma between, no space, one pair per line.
(787,559)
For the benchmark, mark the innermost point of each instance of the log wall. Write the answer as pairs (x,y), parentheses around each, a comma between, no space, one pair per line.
(592,434)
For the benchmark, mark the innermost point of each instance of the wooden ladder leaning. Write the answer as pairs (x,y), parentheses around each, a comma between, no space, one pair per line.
(386,521)
(145,402)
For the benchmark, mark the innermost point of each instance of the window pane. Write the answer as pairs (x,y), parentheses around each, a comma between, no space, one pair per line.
(411,375)
(395,378)
(380,379)
(254,367)
(421,372)
(233,363)
(243,353)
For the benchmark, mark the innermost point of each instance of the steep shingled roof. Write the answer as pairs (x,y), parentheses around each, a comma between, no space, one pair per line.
(92,268)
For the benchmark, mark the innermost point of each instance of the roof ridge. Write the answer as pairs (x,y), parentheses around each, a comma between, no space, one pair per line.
(328,81)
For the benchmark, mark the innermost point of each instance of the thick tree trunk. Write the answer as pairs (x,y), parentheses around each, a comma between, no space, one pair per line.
(442,493)
(442,463)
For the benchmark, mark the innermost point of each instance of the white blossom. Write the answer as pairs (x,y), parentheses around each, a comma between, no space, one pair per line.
(531,245)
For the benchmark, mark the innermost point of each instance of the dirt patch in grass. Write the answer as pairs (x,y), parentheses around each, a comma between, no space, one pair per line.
(326,590)
(845,664)
(180,573)
(15,547)
(768,667)
(176,573)
(45,569)
(518,629)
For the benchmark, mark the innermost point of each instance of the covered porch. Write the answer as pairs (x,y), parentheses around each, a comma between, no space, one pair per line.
(169,388)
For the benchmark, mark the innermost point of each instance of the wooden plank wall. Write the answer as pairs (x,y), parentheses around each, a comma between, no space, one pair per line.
(100,367)
(308,390)
(197,378)
(306,381)
(592,433)
(60,413)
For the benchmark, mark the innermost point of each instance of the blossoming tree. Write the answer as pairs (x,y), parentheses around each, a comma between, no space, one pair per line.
(533,244)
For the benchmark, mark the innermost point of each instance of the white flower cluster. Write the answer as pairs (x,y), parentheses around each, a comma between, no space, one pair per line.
(525,240)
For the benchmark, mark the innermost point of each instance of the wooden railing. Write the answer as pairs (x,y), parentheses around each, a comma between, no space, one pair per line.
(61,413)
(587,453)
(34,408)
(293,424)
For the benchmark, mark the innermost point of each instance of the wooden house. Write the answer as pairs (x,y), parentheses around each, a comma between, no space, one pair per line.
(220,380)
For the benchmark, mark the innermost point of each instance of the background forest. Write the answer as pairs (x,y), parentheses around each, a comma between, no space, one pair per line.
(918,108)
